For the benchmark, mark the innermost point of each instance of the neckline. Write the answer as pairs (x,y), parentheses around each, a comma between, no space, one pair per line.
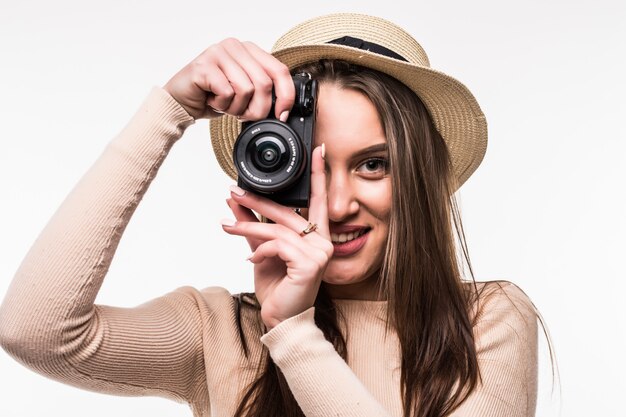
(361,308)
(357,301)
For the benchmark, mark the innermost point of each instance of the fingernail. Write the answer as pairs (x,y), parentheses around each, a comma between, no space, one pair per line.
(215,110)
(284,116)
(228,222)
(323,151)
(237,191)
(250,256)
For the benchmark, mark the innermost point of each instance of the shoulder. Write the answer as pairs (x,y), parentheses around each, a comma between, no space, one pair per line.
(224,316)
(502,295)
(213,300)
(505,337)
(191,306)
(192,295)
(190,303)
(220,308)
(503,312)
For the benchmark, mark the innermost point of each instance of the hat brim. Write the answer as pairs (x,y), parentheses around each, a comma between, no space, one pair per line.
(454,110)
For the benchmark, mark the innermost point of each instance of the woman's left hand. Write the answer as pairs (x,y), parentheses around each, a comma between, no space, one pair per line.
(289,265)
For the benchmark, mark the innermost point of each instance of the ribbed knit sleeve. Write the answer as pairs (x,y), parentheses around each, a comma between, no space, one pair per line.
(320,380)
(48,319)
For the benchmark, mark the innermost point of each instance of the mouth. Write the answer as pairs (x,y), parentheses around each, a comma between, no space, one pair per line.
(348,243)
(338,238)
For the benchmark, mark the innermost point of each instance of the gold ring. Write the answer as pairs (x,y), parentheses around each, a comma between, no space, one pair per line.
(311,227)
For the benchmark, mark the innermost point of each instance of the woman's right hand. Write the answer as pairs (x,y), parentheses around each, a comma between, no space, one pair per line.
(235,78)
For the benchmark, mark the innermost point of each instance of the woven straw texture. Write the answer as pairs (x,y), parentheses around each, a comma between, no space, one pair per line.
(455,112)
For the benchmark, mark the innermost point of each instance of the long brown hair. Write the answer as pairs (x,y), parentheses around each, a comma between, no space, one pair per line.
(421,277)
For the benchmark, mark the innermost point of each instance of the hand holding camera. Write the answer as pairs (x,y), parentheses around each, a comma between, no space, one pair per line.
(242,80)
(277,168)
(235,78)
(289,256)
(277,163)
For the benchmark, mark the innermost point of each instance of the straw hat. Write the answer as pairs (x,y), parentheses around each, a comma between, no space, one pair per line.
(381,45)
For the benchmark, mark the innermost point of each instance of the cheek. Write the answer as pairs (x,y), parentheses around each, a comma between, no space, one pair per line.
(375,197)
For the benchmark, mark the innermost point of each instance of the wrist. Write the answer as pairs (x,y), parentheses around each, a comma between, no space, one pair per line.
(272,318)
(288,327)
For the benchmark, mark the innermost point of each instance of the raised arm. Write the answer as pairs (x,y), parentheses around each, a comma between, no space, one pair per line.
(48,319)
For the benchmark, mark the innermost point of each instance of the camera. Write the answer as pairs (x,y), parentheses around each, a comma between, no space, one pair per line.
(274,158)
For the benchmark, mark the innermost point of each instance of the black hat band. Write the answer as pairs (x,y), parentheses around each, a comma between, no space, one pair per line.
(367,46)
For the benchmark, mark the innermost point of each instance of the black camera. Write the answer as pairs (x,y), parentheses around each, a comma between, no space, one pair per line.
(274,158)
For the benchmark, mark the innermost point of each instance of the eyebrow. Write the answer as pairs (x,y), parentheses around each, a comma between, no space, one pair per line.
(380,147)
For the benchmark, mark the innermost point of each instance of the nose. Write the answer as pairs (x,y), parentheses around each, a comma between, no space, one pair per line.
(342,199)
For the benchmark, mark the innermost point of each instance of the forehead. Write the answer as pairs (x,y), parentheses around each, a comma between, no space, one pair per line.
(346,119)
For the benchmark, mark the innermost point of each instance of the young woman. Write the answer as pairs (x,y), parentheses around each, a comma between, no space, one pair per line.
(360,308)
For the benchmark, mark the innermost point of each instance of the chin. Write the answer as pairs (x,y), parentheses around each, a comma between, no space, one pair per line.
(342,272)
(351,282)
(341,280)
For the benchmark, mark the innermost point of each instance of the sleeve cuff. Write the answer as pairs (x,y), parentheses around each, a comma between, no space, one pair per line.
(158,123)
(162,103)
(285,341)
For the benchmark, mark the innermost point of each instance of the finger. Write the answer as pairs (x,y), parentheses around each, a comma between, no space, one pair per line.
(237,77)
(281,78)
(244,214)
(276,212)
(261,100)
(299,264)
(315,246)
(264,232)
(318,204)
(273,248)
(220,91)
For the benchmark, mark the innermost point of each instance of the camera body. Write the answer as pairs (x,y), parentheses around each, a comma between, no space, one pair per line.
(274,158)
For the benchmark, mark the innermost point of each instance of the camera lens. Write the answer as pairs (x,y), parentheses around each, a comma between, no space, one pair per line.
(269,153)
(269,156)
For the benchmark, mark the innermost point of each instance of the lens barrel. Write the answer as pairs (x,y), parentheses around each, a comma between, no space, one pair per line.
(269,156)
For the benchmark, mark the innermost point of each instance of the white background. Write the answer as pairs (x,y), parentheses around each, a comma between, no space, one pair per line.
(546,209)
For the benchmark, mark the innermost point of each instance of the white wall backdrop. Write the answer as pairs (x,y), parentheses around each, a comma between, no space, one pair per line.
(546,209)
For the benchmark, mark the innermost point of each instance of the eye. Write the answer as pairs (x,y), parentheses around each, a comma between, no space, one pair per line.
(373,167)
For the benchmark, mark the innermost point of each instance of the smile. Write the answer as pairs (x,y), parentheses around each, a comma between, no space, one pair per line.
(347,244)
(346,237)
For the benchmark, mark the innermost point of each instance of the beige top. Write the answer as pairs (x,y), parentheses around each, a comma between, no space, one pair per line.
(185,345)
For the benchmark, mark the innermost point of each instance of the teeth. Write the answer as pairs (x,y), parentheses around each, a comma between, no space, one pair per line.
(345,237)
